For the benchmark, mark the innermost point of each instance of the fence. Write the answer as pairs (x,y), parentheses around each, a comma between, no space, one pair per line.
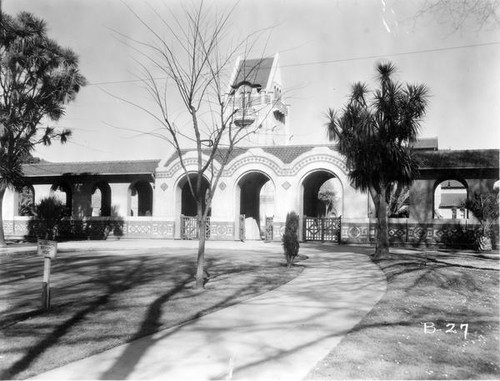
(321,229)
(402,232)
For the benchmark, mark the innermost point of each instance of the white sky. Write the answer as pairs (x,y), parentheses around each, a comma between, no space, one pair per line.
(324,47)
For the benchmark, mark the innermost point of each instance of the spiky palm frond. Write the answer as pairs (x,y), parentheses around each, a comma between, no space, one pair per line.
(375,131)
(385,71)
(38,78)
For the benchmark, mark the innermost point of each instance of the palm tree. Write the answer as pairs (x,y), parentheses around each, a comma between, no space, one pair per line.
(37,78)
(375,131)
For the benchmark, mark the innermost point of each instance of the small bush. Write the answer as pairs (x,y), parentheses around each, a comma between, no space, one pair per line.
(290,238)
(485,207)
(49,212)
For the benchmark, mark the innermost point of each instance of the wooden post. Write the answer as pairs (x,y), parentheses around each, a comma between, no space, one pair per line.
(46,284)
(46,249)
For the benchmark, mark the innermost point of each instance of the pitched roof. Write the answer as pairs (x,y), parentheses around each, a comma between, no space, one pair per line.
(452,184)
(426,143)
(426,153)
(449,200)
(428,159)
(286,154)
(484,158)
(90,167)
(255,72)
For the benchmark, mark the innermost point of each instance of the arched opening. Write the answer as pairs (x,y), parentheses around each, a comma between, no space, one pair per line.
(62,192)
(25,201)
(188,202)
(140,199)
(322,195)
(449,196)
(330,195)
(101,200)
(256,199)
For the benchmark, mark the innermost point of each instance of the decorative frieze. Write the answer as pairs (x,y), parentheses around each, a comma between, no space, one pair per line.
(222,231)
(273,163)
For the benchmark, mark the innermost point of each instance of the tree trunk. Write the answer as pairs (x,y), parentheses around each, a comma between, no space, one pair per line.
(2,236)
(382,245)
(200,261)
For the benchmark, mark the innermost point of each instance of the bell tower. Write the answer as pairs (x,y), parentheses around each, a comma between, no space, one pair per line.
(256,93)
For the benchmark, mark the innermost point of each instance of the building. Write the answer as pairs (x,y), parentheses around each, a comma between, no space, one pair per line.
(264,179)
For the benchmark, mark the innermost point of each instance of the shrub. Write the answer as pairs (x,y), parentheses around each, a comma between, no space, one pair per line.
(485,208)
(49,212)
(290,238)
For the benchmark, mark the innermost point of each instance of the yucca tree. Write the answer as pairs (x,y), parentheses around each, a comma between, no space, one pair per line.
(37,79)
(485,207)
(375,131)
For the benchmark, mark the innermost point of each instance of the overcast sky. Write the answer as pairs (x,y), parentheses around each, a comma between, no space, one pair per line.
(324,47)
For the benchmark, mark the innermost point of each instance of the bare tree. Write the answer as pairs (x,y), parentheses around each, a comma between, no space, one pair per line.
(191,60)
(462,14)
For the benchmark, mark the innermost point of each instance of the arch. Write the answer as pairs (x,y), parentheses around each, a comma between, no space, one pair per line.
(63,192)
(255,159)
(448,196)
(140,199)
(101,199)
(176,169)
(255,198)
(312,183)
(25,201)
(186,204)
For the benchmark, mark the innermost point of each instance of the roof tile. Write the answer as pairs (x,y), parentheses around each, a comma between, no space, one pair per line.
(90,167)
(254,71)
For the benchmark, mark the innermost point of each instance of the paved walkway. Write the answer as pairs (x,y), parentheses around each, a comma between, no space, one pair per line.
(280,335)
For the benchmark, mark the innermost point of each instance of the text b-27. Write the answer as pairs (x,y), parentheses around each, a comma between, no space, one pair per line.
(453,328)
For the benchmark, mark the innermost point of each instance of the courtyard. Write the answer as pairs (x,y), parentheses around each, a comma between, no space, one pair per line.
(127,309)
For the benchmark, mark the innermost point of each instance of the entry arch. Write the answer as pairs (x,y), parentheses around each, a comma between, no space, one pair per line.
(311,183)
(254,197)
(184,200)
(186,208)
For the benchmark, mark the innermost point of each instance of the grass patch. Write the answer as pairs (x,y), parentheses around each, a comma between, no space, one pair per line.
(102,299)
(435,288)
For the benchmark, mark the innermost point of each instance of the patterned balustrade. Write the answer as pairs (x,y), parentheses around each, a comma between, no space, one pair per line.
(446,234)
(93,228)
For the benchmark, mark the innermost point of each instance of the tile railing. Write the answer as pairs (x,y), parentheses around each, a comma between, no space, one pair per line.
(402,232)
(93,228)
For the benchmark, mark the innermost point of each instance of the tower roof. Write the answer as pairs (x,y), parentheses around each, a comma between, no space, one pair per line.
(254,72)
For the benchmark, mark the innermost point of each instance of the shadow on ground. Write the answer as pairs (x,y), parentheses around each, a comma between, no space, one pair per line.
(102,299)
(438,320)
